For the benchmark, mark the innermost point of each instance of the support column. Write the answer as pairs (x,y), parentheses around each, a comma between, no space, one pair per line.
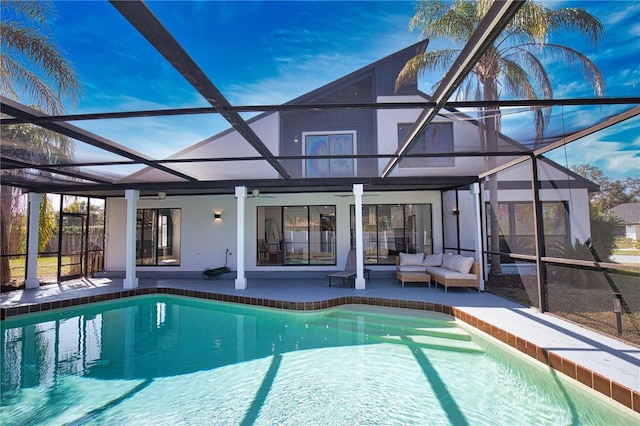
(241,198)
(475,193)
(360,283)
(541,267)
(32,280)
(130,280)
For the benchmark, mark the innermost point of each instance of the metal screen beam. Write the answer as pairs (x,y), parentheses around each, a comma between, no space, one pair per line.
(15,109)
(611,121)
(496,18)
(143,20)
(630,100)
(15,164)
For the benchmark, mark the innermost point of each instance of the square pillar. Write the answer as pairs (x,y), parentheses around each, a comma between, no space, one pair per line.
(130,280)
(360,283)
(31,280)
(241,197)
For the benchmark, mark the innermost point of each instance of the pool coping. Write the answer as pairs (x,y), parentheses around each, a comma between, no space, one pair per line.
(605,386)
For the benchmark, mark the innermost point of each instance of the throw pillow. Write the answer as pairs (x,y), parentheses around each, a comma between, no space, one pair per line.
(432,260)
(447,260)
(411,259)
(462,264)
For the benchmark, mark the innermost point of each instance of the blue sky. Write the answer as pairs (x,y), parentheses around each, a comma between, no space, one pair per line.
(267,52)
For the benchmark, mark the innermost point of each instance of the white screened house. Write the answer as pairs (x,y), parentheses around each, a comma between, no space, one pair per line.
(434,202)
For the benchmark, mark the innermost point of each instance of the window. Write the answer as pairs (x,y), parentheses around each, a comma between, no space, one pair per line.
(329,144)
(389,229)
(517,227)
(296,235)
(158,237)
(436,138)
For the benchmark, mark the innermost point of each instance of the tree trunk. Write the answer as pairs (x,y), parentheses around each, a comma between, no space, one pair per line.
(491,138)
(6,200)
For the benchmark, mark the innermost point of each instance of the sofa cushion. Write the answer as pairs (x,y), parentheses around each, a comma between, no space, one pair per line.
(447,260)
(462,264)
(412,268)
(449,274)
(411,259)
(432,260)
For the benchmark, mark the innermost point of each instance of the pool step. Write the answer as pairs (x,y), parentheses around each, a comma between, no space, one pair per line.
(451,333)
(444,332)
(390,320)
(435,343)
(414,326)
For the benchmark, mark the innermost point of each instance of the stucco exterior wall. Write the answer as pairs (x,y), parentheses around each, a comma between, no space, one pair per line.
(465,137)
(204,240)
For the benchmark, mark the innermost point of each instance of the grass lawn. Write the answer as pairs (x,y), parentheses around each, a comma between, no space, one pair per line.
(47,270)
(625,247)
(626,252)
(47,265)
(584,298)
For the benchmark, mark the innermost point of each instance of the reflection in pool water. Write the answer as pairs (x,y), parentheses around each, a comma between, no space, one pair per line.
(172,360)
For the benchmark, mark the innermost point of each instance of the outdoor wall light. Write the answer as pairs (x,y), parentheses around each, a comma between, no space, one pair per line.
(617,309)
(296,139)
(217,216)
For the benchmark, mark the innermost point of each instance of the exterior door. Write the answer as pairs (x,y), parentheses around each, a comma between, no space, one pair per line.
(73,243)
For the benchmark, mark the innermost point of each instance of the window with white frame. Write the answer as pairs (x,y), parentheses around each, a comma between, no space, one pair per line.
(329,144)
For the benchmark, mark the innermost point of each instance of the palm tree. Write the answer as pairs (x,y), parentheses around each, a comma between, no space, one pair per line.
(32,67)
(511,66)
(30,61)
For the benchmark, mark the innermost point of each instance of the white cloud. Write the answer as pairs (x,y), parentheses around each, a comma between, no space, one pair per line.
(608,150)
(158,137)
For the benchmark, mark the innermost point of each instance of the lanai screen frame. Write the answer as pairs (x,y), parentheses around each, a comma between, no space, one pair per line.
(70,178)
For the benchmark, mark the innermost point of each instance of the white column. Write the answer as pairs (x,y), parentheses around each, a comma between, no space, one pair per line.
(130,280)
(241,198)
(475,192)
(32,280)
(360,282)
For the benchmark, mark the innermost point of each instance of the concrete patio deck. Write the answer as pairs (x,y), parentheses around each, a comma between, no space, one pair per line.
(605,364)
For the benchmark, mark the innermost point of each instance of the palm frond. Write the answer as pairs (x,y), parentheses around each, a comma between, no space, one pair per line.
(425,62)
(468,89)
(455,21)
(37,90)
(533,68)
(6,88)
(522,83)
(575,19)
(572,57)
(516,81)
(530,23)
(39,12)
(31,142)
(44,54)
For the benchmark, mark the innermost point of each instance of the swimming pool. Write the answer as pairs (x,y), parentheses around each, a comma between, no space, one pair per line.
(175,360)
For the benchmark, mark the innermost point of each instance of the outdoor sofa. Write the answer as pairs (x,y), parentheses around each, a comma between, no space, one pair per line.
(449,270)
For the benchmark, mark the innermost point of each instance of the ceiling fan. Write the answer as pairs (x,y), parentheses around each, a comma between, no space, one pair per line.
(351,195)
(161,196)
(255,193)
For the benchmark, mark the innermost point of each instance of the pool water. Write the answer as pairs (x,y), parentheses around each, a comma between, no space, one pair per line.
(173,360)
